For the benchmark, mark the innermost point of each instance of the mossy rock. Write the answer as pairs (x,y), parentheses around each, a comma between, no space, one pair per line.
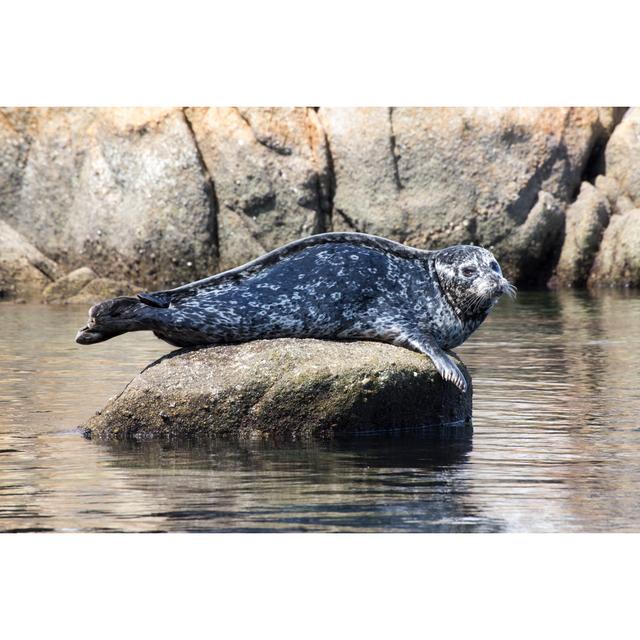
(287,387)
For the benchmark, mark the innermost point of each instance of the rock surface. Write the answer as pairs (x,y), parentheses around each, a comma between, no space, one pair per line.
(271,174)
(618,261)
(586,220)
(286,387)
(122,190)
(101,289)
(69,285)
(623,156)
(24,271)
(83,286)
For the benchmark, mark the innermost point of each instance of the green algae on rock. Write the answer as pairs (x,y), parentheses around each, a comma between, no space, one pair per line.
(283,388)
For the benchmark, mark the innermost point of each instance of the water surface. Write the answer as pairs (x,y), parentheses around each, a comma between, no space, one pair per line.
(555,444)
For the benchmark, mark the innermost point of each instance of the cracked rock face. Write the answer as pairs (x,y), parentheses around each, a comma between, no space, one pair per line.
(602,246)
(618,260)
(286,387)
(165,196)
(437,177)
(122,190)
(271,176)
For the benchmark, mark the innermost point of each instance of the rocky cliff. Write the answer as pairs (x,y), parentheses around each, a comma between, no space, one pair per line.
(156,197)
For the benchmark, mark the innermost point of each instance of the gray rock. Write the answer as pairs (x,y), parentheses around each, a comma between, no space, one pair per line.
(100,289)
(271,176)
(286,387)
(623,156)
(586,220)
(24,271)
(618,201)
(69,285)
(14,150)
(618,261)
(435,177)
(122,190)
(609,187)
(531,250)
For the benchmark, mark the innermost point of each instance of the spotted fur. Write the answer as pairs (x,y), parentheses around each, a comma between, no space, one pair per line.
(339,286)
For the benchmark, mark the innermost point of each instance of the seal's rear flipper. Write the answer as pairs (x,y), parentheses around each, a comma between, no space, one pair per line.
(91,335)
(113,317)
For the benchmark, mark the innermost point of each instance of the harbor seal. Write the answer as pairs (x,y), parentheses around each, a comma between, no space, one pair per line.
(337,286)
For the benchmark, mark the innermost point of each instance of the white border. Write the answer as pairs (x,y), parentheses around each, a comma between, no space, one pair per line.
(319,586)
(334,52)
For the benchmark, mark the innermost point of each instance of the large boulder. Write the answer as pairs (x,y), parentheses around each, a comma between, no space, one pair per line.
(123,190)
(271,173)
(24,271)
(618,261)
(436,177)
(286,387)
(586,220)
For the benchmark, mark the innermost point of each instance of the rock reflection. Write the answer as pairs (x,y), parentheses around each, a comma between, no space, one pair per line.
(404,481)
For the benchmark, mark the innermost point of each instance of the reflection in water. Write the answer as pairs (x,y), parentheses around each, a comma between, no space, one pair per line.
(555,447)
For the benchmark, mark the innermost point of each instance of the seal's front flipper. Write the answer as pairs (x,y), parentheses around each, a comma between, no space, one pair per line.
(449,370)
(446,367)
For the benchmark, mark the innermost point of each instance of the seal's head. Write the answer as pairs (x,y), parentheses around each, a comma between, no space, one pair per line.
(471,279)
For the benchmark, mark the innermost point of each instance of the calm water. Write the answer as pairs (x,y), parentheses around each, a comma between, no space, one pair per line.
(555,444)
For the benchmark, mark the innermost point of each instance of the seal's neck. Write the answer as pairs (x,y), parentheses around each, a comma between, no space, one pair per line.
(444,291)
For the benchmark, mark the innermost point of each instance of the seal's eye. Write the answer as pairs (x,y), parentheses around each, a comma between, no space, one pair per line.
(468,272)
(495,266)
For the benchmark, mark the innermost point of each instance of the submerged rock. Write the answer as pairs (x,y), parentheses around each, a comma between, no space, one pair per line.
(286,387)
